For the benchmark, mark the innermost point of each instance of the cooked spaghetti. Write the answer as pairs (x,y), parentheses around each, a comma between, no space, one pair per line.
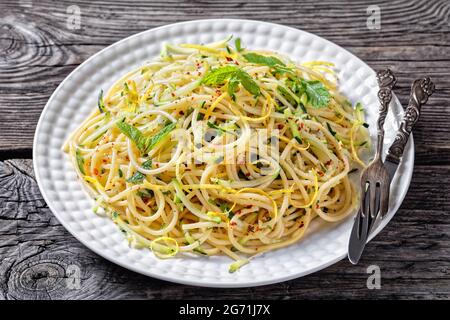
(215,148)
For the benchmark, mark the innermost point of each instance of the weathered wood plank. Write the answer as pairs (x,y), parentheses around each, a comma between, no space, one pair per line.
(37,56)
(37,51)
(36,252)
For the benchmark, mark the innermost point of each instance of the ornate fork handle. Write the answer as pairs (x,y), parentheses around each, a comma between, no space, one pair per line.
(386,82)
(421,90)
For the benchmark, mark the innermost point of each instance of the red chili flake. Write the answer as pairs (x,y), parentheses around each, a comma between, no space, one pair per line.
(229,59)
(328,163)
(247,174)
(302,125)
(181,112)
(233,223)
(317,206)
(302,224)
(250,228)
(96,171)
(280,126)
(104,160)
(320,173)
(237,63)
(188,73)
(157,165)
(173,94)
(187,169)
(127,157)
(248,206)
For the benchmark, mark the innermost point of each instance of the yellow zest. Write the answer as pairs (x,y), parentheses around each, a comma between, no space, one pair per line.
(294,145)
(148,185)
(157,248)
(145,96)
(214,104)
(352,144)
(316,191)
(95,182)
(290,190)
(261,192)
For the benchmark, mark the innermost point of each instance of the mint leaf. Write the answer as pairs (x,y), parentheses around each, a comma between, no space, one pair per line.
(248,83)
(264,60)
(234,76)
(219,75)
(100,103)
(232,86)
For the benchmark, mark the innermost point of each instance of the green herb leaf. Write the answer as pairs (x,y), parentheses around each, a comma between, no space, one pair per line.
(237,44)
(144,144)
(318,95)
(248,83)
(233,75)
(100,103)
(231,87)
(264,60)
(80,161)
(120,173)
(220,75)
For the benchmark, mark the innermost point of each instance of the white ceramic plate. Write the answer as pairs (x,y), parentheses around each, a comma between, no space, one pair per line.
(324,244)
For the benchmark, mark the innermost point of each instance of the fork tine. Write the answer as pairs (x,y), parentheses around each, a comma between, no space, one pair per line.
(384,198)
(372,200)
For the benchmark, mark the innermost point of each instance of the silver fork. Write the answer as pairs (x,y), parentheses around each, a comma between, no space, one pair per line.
(374,179)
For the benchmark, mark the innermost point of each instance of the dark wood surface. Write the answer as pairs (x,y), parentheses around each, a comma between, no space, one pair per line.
(37,51)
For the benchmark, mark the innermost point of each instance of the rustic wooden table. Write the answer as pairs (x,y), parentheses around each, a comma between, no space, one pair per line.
(38,50)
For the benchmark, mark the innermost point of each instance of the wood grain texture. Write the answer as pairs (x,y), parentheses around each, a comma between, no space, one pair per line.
(40,259)
(36,252)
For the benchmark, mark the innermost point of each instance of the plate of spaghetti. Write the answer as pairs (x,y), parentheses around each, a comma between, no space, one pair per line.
(214,152)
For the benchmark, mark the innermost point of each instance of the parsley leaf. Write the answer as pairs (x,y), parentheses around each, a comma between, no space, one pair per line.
(318,95)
